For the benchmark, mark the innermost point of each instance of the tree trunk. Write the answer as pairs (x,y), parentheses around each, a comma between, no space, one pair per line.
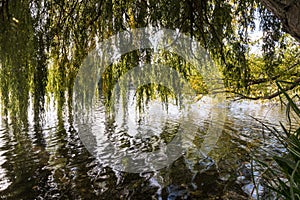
(288,11)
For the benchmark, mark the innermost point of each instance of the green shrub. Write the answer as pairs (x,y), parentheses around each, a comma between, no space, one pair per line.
(285,179)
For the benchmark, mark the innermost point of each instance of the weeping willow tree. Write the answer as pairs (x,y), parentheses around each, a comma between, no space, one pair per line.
(43,43)
(16,61)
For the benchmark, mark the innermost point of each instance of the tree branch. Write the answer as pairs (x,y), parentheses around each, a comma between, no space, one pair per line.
(271,96)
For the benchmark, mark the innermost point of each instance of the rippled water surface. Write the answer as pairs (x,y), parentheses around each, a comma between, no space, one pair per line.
(53,158)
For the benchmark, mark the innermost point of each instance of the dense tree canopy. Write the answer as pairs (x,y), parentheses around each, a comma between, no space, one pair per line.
(43,43)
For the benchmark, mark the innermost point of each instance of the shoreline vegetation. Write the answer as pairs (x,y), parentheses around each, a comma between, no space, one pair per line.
(284,178)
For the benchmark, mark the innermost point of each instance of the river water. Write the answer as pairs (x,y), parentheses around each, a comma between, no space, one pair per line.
(58,157)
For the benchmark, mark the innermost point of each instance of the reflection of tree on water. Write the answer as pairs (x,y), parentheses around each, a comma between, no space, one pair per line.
(200,181)
(143,141)
(25,161)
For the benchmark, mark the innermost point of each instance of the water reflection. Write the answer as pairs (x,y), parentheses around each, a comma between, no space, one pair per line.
(5,182)
(48,160)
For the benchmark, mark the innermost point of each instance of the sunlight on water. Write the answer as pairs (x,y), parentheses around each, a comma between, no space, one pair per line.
(134,132)
(4,181)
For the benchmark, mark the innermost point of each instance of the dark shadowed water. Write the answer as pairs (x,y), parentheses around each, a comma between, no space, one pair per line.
(47,159)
